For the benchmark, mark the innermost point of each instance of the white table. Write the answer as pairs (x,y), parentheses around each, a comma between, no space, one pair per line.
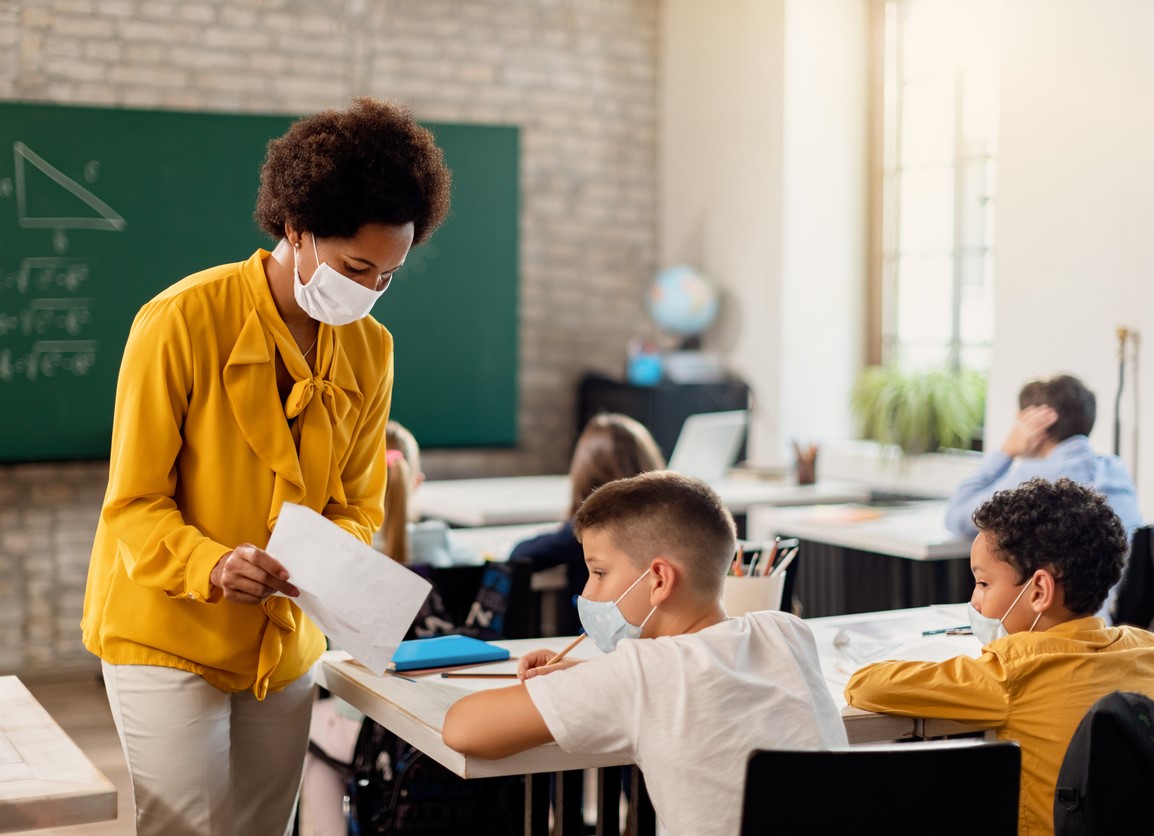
(857,558)
(515,500)
(892,634)
(915,531)
(45,780)
(413,706)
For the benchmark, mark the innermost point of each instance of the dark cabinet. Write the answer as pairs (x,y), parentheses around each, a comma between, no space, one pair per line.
(662,408)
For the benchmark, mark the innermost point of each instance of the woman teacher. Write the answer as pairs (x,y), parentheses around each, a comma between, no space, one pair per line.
(243,387)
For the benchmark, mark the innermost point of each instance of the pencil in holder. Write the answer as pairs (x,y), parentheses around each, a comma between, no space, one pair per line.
(755,593)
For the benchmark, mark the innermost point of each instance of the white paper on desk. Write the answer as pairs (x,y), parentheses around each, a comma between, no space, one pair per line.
(361,599)
(935,649)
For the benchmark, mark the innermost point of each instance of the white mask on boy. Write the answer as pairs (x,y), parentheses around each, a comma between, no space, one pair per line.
(331,296)
(988,629)
(604,622)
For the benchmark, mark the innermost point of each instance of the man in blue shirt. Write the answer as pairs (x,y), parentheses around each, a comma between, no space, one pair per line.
(1048,440)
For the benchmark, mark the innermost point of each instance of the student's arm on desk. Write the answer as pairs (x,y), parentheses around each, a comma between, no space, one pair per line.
(495,724)
(966,689)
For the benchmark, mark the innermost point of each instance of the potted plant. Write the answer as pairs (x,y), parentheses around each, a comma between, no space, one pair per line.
(920,411)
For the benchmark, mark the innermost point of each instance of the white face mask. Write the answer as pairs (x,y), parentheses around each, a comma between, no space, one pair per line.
(604,622)
(330,296)
(988,629)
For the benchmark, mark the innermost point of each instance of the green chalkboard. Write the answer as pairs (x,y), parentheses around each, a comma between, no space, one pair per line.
(100,209)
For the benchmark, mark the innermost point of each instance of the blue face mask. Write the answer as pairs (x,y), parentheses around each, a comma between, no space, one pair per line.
(604,622)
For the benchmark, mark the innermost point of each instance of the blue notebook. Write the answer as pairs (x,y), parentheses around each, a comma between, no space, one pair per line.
(443,652)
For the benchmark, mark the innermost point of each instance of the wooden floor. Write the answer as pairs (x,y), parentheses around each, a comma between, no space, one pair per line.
(80,707)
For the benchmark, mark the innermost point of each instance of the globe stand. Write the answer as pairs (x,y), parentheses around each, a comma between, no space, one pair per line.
(691,366)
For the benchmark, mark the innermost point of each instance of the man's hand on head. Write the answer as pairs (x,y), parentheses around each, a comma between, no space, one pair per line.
(1029,431)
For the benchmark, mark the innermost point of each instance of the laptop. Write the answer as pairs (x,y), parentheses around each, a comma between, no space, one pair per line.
(708,444)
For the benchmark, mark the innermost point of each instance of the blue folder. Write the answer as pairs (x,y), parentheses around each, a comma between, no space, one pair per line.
(443,652)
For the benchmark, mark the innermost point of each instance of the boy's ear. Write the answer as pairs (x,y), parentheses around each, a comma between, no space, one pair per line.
(1043,590)
(665,576)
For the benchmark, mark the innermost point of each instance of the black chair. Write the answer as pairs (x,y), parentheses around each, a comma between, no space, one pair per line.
(1134,604)
(1108,770)
(948,788)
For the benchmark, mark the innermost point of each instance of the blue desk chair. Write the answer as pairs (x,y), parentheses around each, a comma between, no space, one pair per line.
(948,788)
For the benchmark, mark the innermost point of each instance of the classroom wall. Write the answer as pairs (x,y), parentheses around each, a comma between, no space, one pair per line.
(1075,213)
(763,172)
(578,78)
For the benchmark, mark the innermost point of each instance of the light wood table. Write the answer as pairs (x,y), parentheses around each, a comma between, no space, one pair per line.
(515,500)
(45,780)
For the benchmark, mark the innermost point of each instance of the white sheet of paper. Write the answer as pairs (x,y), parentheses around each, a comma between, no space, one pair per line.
(361,599)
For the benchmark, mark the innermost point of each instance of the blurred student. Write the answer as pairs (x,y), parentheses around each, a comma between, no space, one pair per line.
(1043,559)
(685,691)
(611,446)
(1049,440)
(404,536)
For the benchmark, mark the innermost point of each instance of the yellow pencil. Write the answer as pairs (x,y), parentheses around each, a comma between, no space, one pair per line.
(562,654)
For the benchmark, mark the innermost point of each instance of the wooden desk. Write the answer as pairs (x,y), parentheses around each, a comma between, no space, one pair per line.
(868,559)
(45,780)
(900,631)
(536,499)
(415,711)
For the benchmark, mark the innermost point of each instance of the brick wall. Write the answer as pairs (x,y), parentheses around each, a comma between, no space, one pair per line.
(577,76)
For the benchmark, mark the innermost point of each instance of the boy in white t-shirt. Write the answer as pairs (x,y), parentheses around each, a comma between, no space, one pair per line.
(696,694)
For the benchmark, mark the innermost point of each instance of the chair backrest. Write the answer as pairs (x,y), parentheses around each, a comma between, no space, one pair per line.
(1134,603)
(945,788)
(1108,770)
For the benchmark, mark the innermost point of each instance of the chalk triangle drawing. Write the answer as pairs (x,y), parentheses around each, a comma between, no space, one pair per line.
(104,216)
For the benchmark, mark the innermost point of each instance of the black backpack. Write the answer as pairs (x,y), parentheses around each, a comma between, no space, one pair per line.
(397,789)
(1107,775)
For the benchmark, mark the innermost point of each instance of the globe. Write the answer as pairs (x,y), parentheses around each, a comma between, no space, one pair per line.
(682,302)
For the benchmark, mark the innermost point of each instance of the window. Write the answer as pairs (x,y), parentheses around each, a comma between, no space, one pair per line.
(937,81)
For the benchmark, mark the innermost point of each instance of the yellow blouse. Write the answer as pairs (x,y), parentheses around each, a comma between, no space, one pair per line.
(1033,688)
(203,456)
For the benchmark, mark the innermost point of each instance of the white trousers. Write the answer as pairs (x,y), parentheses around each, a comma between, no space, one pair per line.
(206,762)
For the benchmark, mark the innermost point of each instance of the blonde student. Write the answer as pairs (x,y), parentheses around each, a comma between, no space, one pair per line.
(404,536)
(687,692)
(1044,557)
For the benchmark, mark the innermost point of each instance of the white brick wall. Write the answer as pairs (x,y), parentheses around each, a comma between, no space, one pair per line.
(578,77)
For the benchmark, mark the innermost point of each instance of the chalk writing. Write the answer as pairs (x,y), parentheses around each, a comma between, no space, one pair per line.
(47,358)
(34,304)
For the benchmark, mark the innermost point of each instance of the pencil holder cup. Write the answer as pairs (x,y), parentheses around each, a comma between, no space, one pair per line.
(752,594)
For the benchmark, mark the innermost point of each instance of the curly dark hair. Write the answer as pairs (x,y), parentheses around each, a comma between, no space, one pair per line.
(338,170)
(1075,404)
(1061,526)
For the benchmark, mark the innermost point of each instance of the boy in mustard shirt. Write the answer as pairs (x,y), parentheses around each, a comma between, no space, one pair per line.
(684,691)
(1044,558)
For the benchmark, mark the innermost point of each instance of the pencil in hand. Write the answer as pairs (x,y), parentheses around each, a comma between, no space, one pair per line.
(565,652)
